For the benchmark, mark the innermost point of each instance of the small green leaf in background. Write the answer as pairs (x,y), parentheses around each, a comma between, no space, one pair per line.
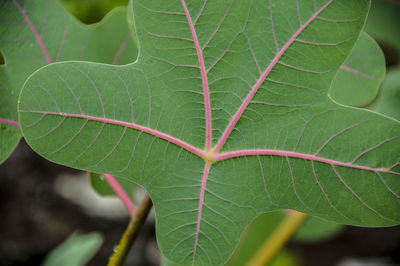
(77,250)
(285,258)
(36,33)
(388,100)
(91,11)
(315,229)
(102,187)
(358,80)
(252,239)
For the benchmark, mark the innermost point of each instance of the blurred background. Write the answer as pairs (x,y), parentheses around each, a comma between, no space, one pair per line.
(42,204)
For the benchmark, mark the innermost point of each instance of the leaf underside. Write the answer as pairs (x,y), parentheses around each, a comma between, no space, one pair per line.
(225,115)
(36,33)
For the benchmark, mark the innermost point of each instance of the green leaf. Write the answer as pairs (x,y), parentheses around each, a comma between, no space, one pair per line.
(388,100)
(35,33)
(9,138)
(255,235)
(103,188)
(90,11)
(77,250)
(285,259)
(225,115)
(315,229)
(358,80)
(264,225)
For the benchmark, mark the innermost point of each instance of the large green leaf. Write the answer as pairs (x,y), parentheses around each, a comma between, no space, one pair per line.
(359,78)
(225,115)
(35,33)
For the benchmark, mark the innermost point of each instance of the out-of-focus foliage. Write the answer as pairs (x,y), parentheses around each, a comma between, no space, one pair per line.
(263,226)
(91,11)
(254,236)
(384,25)
(315,229)
(77,250)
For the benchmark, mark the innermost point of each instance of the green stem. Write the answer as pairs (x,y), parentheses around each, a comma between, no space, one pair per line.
(131,232)
(273,245)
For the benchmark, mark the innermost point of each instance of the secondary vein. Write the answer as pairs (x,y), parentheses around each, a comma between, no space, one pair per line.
(261,80)
(203,77)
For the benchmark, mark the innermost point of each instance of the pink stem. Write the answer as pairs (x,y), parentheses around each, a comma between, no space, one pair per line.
(120,193)
(9,122)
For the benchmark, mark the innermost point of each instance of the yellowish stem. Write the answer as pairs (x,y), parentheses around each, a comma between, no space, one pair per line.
(271,247)
(131,232)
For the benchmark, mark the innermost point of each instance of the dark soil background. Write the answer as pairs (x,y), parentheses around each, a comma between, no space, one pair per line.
(34,220)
